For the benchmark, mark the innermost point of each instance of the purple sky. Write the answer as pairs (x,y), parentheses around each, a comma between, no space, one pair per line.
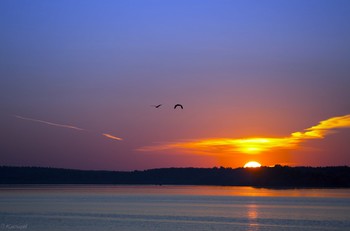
(241,69)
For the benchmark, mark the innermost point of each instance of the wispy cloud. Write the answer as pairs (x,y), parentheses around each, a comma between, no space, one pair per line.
(50,123)
(111,136)
(65,126)
(255,145)
(324,128)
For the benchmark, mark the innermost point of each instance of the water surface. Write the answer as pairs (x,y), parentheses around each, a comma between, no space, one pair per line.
(91,207)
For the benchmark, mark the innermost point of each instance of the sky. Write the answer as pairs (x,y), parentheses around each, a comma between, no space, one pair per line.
(264,81)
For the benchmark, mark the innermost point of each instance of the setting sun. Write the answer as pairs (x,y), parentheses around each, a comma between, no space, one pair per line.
(252,164)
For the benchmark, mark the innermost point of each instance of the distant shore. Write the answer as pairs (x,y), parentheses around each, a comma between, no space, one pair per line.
(269,177)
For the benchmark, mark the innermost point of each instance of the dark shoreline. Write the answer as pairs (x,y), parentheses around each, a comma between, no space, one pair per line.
(278,177)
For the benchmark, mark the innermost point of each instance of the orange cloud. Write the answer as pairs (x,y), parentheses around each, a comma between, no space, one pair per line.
(111,136)
(215,146)
(255,145)
(324,128)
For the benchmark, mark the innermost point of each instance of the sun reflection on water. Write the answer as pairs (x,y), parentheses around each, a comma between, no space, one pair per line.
(252,215)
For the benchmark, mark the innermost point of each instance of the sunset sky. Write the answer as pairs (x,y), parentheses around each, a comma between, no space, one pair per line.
(265,81)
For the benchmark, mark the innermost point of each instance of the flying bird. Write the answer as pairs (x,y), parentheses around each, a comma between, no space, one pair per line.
(178,105)
(157,106)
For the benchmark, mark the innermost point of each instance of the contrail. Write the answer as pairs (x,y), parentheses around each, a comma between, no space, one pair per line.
(50,123)
(66,126)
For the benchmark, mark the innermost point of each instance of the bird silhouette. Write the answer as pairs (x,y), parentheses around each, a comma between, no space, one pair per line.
(157,106)
(178,105)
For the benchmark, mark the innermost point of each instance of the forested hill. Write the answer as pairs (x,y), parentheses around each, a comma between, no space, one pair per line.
(278,176)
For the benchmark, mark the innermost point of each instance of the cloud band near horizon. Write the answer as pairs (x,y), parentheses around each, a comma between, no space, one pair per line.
(255,145)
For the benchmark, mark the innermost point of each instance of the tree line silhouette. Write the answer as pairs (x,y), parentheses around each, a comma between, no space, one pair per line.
(277,176)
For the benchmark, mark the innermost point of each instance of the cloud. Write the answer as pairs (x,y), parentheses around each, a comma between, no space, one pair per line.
(214,146)
(111,136)
(50,123)
(255,145)
(324,128)
(66,126)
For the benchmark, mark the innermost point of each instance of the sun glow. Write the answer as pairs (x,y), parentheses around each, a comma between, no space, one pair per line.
(252,164)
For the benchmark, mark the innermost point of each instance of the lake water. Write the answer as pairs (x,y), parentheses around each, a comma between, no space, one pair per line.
(95,208)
